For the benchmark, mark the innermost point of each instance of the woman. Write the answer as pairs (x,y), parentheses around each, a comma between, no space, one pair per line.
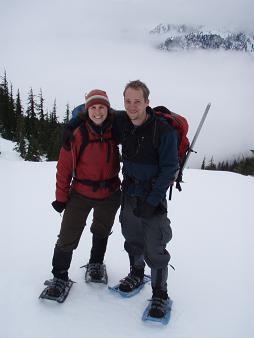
(87,178)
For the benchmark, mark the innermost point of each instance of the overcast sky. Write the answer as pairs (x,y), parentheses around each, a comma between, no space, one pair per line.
(69,48)
(62,15)
(35,34)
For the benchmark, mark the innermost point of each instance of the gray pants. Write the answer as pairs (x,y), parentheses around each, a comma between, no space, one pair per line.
(146,240)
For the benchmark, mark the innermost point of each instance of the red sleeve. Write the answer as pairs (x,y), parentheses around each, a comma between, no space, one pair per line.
(65,166)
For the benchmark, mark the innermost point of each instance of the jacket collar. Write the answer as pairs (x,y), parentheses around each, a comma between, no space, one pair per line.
(99,129)
(147,123)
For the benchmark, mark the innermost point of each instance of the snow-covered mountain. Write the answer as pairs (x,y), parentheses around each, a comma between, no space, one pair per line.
(177,37)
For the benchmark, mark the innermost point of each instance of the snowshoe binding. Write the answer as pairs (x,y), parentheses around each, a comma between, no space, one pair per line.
(56,289)
(158,310)
(130,285)
(96,273)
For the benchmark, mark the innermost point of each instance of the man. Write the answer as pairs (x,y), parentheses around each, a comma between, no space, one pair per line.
(150,166)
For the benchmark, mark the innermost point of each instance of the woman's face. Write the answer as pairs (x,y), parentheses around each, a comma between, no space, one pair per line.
(98,113)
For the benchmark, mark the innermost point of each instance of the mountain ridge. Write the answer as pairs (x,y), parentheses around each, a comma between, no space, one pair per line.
(188,37)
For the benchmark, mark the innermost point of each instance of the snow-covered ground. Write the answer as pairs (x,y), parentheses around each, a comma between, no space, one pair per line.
(212,252)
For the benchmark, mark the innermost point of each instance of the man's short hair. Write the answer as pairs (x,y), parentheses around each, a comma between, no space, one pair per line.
(137,84)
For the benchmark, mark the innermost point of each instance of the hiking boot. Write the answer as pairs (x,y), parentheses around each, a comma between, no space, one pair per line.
(57,287)
(95,271)
(132,281)
(159,303)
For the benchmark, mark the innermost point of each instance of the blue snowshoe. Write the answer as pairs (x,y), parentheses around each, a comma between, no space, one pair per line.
(130,285)
(158,310)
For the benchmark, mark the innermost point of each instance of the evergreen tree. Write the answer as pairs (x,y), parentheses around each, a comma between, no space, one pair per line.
(67,114)
(36,133)
(52,116)
(241,165)
(222,166)
(54,144)
(245,166)
(33,153)
(211,165)
(42,125)
(18,106)
(3,106)
(12,115)
(31,122)
(7,113)
(203,164)
(40,106)
(20,129)
(226,166)
(54,131)
(233,165)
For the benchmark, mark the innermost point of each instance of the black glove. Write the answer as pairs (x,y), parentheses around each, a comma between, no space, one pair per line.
(67,137)
(144,210)
(58,206)
(179,176)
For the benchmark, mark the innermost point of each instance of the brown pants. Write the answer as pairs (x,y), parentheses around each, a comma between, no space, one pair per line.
(75,216)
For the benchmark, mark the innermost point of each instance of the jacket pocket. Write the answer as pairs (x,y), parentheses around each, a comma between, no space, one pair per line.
(166,231)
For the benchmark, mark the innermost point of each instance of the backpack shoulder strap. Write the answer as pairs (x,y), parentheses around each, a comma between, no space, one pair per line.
(162,109)
(85,140)
(161,126)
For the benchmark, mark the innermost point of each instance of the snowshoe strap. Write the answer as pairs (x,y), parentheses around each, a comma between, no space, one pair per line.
(158,303)
(131,281)
(59,284)
(94,267)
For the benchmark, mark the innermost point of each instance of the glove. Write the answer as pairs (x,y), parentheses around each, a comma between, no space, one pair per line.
(67,137)
(179,177)
(144,210)
(58,206)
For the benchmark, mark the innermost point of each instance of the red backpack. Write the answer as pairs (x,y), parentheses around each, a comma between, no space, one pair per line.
(180,124)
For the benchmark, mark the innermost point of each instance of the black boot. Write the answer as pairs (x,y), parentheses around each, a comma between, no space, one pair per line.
(96,272)
(95,269)
(57,287)
(99,246)
(133,280)
(159,303)
(61,263)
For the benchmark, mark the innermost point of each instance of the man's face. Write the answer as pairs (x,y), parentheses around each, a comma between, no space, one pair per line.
(98,113)
(135,105)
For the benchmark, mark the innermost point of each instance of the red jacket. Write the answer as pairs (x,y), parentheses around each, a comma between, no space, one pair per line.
(99,161)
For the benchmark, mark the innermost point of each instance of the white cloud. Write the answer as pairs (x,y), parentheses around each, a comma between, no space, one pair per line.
(69,49)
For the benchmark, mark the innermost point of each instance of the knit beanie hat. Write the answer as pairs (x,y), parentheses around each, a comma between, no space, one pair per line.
(97,96)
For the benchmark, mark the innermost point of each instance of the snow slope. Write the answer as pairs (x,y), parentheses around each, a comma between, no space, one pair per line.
(212,252)
(7,150)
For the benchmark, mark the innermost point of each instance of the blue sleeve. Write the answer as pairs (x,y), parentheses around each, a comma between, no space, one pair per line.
(118,124)
(78,109)
(75,121)
(168,167)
